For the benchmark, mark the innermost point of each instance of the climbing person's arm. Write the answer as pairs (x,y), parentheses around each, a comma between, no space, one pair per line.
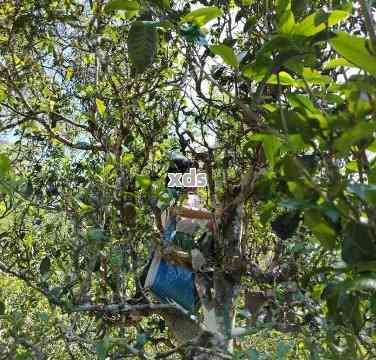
(192,214)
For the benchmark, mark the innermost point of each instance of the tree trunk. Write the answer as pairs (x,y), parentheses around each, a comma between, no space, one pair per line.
(219,314)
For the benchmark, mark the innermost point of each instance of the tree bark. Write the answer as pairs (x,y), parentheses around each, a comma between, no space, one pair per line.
(218,309)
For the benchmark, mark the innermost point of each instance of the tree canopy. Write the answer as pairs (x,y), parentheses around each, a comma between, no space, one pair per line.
(276,99)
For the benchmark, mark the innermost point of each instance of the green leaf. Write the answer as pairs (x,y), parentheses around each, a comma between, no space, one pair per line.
(100,106)
(193,34)
(355,50)
(285,16)
(283,349)
(116,259)
(2,307)
(4,164)
(250,23)
(43,316)
(96,235)
(141,340)
(143,181)
(311,76)
(292,169)
(343,306)
(247,2)
(253,354)
(226,53)
(3,93)
(315,77)
(122,5)
(301,101)
(352,136)
(142,45)
(271,145)
(44,266)
(321,228)
(352,166)
(366,192)
(102,347)
(304,104)
(372,147)
(332,64)
(69,73)
(296,143)
(27,189)
(285,79)
(127,158)
(358,244)
(349,311)
(28,240)
(318,21)
(203,15)
(267,211)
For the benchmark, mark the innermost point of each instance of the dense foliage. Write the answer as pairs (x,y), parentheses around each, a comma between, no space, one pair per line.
(277,100)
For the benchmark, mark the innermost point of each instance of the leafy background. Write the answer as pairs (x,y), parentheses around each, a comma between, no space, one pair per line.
(94,95)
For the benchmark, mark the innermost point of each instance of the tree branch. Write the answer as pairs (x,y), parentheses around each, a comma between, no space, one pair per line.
(369,22)
(78,146)
(13,125)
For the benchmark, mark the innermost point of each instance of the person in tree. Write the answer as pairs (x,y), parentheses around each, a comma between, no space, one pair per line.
(184,218)
(186,223)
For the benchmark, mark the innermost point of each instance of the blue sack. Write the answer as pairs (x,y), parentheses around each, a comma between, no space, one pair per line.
(169,282)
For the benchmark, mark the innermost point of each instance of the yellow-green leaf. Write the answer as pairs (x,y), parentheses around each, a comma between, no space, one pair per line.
(372,147)
(100,106)
(143,181)
(355,50)
(332,64)
(126,5)
(286,19)
(315,77)
(285,79)
(4,164)
(318,21)
(69,73)
(203,15)
(127,158)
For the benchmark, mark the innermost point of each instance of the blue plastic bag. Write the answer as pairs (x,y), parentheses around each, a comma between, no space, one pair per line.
(170,282)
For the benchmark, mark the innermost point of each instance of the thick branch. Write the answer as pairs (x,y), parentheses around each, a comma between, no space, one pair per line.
(248,183)
(369,22)
(78,146)
(121,308)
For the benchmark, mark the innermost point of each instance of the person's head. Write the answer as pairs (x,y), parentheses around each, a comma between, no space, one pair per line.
(181,164)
